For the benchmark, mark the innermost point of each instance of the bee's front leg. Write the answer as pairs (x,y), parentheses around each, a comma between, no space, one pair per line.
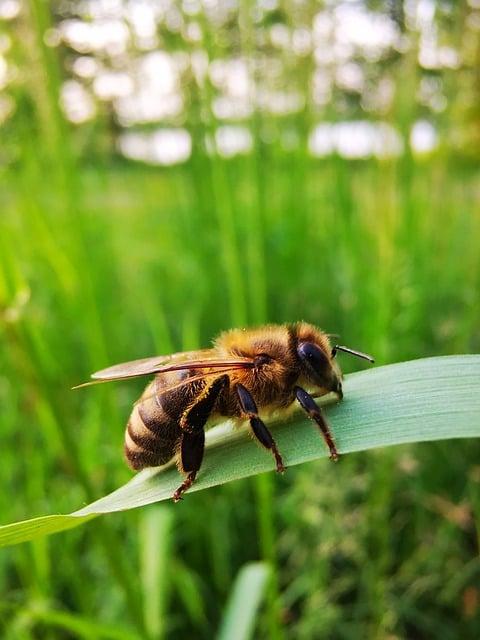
(315,413)
(259,429)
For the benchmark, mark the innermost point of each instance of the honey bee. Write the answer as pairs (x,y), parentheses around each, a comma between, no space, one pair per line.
(246,372)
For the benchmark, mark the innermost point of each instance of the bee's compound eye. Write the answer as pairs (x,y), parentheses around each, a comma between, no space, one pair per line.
(312,356)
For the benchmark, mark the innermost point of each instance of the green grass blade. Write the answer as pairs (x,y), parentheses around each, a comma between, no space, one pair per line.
(416,401)
(156,532)
(239,619)
(35,527)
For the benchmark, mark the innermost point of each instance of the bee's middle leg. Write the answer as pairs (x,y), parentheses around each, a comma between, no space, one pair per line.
(259,428)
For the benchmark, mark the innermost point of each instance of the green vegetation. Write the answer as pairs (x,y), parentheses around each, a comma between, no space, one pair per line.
(104,260)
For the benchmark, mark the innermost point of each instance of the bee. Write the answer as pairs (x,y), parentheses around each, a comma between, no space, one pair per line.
(247,372)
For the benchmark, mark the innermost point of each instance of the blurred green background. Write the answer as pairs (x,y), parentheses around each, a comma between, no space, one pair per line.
(172,169)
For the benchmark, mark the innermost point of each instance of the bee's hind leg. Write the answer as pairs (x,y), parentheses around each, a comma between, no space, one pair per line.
(192,441)
(259,429)
(191,455)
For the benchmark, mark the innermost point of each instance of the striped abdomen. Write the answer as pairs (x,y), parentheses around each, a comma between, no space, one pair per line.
(153,429)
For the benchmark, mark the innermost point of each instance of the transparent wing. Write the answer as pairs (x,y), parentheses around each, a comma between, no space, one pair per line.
(204,375)
(201,359)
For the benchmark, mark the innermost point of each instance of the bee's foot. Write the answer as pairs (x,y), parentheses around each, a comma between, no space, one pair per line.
(334,455)
(186,484)
(278,459)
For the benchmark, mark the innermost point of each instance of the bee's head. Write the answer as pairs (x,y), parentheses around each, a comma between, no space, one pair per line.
(319,367)
(317,359)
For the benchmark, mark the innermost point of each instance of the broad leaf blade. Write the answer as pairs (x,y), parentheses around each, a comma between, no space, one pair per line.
(420,400)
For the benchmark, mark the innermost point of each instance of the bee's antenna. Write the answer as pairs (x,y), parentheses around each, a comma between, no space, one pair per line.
(352,352)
